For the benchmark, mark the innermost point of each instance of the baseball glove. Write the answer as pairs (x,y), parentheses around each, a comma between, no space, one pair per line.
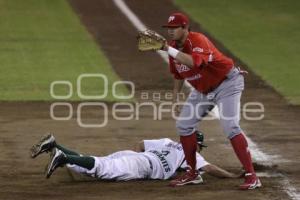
(150,40)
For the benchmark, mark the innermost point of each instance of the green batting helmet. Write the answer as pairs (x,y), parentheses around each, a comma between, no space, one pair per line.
(200,139)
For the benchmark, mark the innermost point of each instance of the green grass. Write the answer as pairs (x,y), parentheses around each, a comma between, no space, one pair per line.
(42,41)
(264,34)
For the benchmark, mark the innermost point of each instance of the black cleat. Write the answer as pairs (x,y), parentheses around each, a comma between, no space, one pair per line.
(57,159)
(44,145)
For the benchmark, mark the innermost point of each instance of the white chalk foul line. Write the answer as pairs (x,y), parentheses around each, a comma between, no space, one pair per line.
(258,155)
(140,26)
(137,23)
(290,190)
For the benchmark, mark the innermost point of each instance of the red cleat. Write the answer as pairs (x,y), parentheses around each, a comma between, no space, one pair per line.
(251,182)
(190,177)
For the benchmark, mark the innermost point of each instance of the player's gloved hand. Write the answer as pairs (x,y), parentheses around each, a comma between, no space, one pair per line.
(165,47)
(150,40)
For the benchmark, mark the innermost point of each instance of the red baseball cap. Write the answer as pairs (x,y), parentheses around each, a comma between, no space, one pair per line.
(176,20)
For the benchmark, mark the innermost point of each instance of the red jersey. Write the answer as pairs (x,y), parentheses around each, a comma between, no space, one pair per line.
(210,65)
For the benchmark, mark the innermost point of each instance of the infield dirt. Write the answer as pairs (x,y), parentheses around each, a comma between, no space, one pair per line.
(23,123)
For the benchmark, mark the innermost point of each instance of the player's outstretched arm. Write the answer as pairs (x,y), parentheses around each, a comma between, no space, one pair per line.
(216,171)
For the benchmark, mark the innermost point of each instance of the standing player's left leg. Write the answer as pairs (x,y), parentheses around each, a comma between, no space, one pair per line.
(229,107)
(194,109)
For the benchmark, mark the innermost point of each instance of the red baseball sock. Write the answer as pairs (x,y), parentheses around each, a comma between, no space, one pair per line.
(240,146)
(189,144)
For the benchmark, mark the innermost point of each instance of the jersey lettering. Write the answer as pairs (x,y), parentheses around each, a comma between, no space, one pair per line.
(165,153)
(195,77)
(162,160)
(198,49)
(174,145)
(182,68)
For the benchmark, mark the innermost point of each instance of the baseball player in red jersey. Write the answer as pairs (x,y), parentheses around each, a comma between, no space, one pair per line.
(216,81)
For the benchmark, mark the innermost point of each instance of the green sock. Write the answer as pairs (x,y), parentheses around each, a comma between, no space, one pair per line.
(82,161)
(66,151)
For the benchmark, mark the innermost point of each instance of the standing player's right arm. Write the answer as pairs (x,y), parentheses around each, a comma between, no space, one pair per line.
(178,83)
(176,90)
